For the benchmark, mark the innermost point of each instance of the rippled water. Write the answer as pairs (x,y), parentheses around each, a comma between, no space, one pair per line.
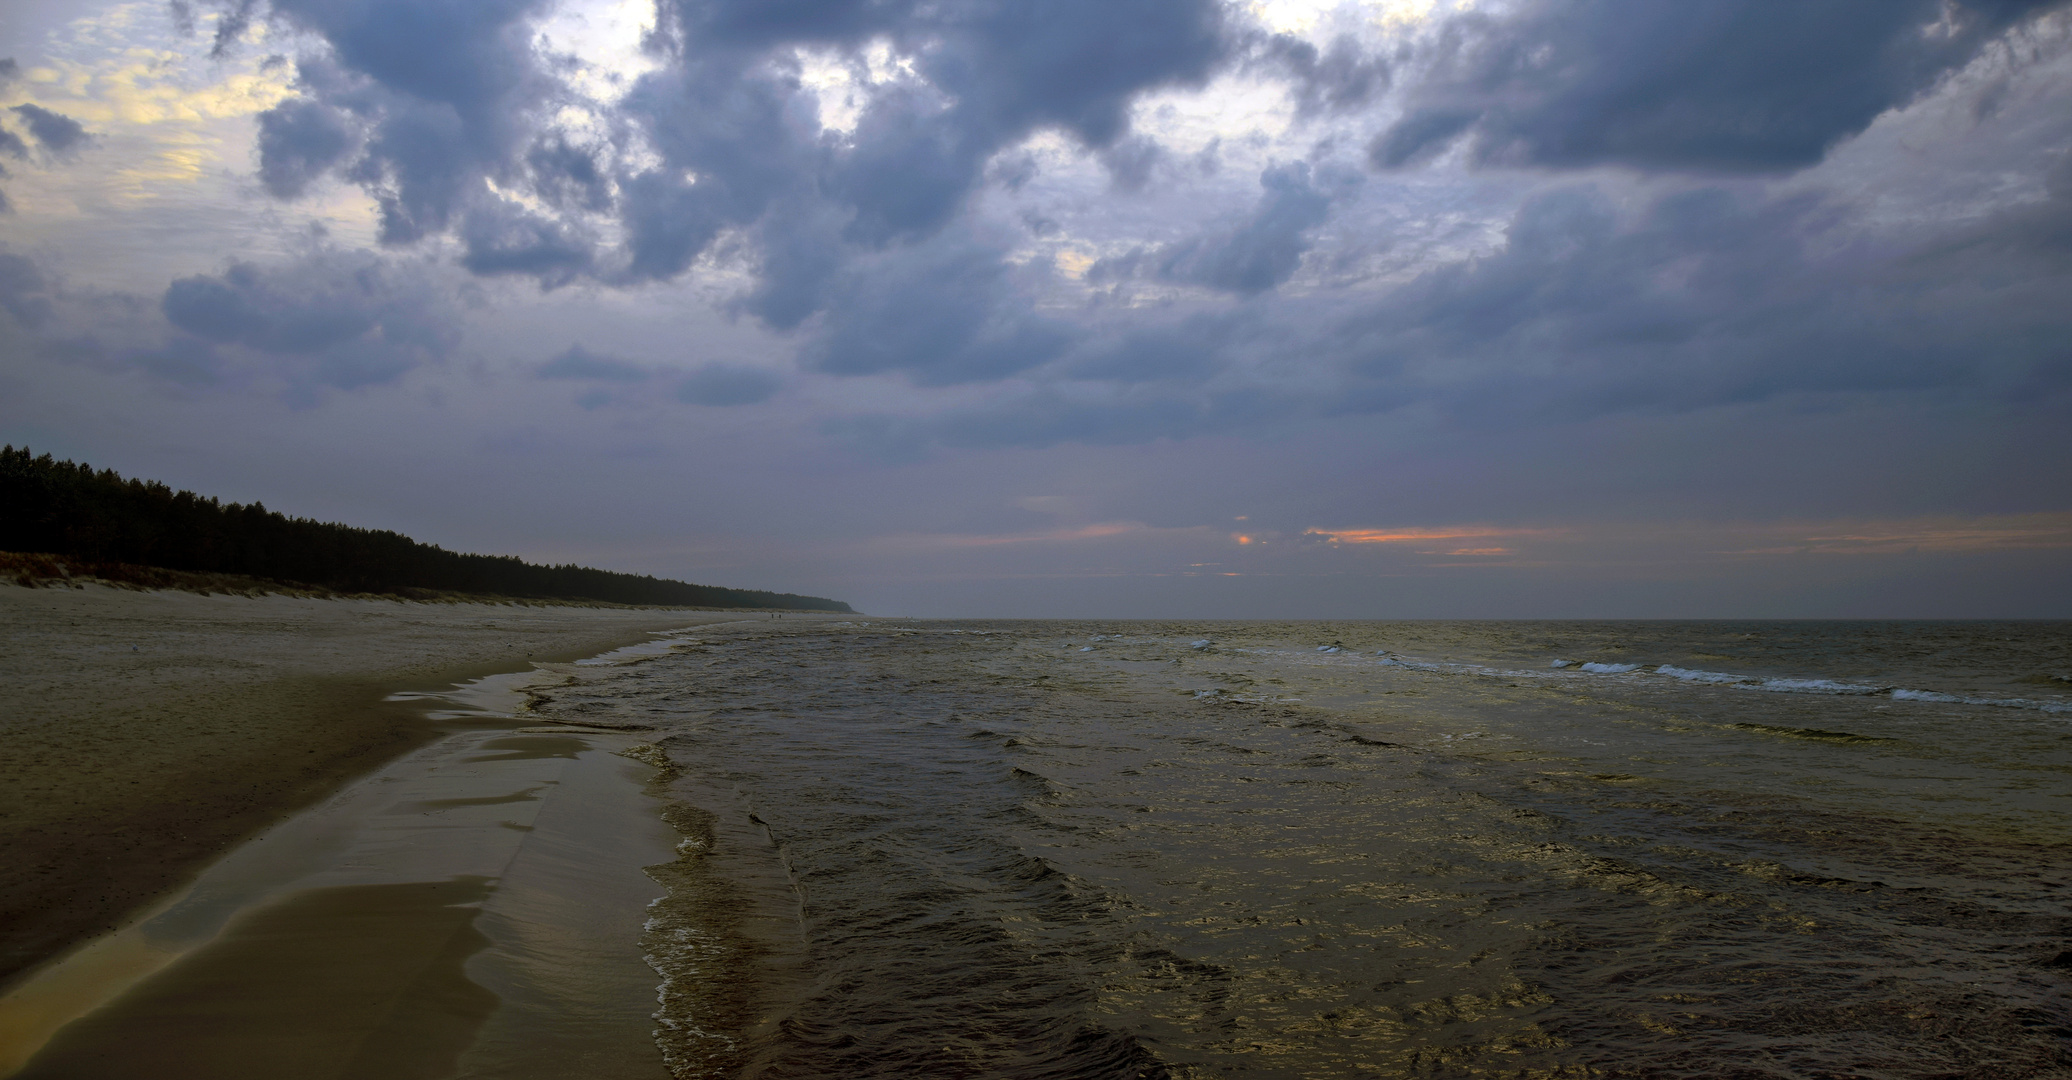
(1360,849)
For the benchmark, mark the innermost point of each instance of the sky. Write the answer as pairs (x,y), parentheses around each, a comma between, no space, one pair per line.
(1129,308)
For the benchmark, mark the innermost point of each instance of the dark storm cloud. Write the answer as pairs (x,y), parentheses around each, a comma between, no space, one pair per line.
(233,20)
(1339,78)
(231,26)
(738,126)
(581,363)
(1045,419)
(1702,85)
(11,145)
(24,291)
(9,70)
(421,169)
(182,361)
(799,251)
(2019,237)
(1057,415)
(299,140)
(1701,298)
(1264,250)
(1190,350)
(853,240)
(59,134)
(727,384)
(707,384)
(567,176)
(471,55)
(419,101)
(1704,297)
(988,74)
(504,238)
(1251,256)
(1130,162)
(334,319)
(947,312)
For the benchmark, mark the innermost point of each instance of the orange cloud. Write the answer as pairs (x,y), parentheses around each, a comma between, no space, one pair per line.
(1084,532)
(2013,532)
(1396,536)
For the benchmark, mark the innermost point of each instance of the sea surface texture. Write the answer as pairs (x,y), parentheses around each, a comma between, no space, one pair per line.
(1136,849)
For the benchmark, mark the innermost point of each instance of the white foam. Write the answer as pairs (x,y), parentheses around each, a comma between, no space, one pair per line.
(1202,644)
(1775,685)
(1327,648)
(1700,676)
(1997,703)
(1818,686)
(1419,665)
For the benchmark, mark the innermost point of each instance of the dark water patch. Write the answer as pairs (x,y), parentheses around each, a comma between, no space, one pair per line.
(533,748)
(528,795)
(1813,734)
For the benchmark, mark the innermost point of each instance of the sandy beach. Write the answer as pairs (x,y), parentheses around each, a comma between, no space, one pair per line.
(142,734)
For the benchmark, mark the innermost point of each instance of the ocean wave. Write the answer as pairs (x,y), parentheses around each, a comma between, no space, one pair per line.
(1832,687)
(1997,703)
(1698,676)
(1819,686)
(1570,669)
(1583,669)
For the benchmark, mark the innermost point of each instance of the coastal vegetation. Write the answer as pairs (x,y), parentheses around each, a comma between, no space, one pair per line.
(66,519)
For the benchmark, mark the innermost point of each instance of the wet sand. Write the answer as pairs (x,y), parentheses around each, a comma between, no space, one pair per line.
(473,908)
(143,734)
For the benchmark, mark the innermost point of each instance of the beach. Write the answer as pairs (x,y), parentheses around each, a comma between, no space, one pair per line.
(843,846)
(146,733)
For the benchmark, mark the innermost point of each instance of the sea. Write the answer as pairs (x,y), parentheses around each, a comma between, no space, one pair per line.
(1357,849)
(829,847)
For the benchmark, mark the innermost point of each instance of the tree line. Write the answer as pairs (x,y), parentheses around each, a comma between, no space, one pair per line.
(65,509)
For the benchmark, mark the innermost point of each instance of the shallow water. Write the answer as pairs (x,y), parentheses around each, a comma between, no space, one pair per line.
(1168,849)
(1000,849)
(472,909)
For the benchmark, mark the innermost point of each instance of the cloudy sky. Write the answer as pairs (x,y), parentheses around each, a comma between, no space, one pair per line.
(1080,307)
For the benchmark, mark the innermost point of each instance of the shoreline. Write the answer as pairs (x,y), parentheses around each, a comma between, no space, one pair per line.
(149,733)
(480,899)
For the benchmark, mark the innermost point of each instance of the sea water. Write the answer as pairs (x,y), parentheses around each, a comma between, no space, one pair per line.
(884,848)
(1138,849)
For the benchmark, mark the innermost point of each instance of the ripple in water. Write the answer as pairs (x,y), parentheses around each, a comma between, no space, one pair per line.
(1178,850)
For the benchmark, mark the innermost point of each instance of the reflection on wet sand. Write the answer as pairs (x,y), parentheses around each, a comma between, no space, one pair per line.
(358,981)
(474,909)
